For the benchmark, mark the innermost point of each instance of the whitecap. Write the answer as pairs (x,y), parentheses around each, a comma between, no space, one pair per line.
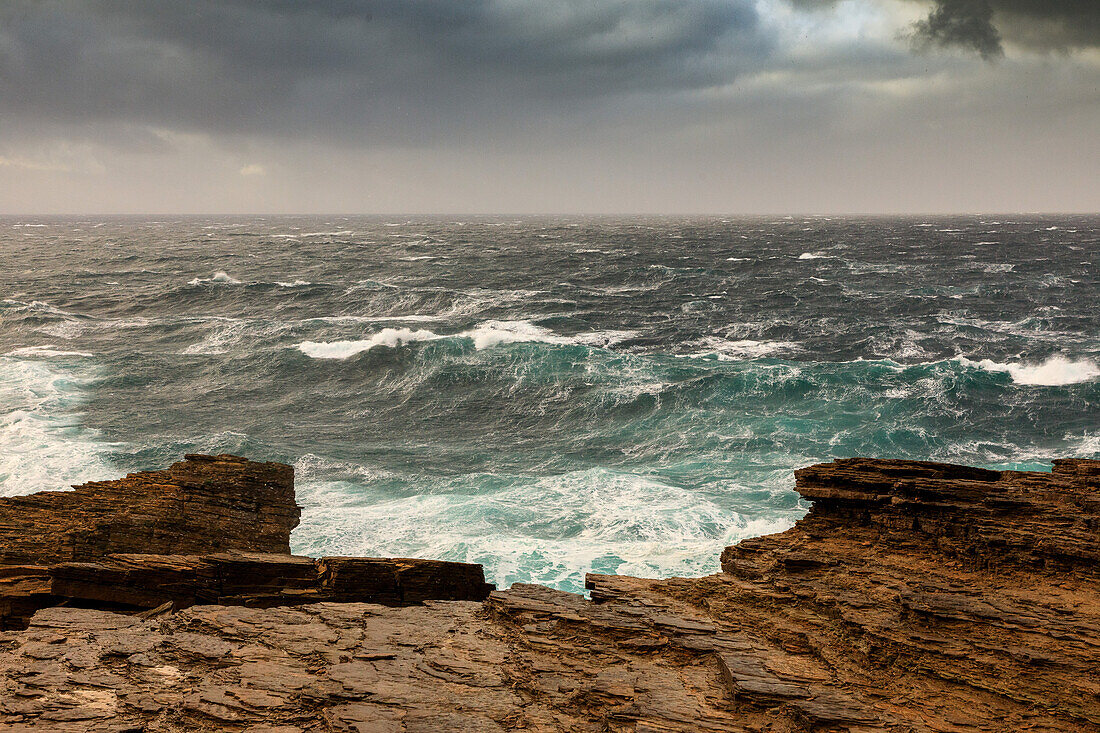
(731,350)
(46,350)
(1054,372)
(812,256)
(292,284)
(392,337)
(495,333)
(220,339)
(484,336)
(1088,446)
(412,318)
(37,306)
(218,278)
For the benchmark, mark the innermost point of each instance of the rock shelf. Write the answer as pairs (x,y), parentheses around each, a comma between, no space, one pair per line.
(914,597)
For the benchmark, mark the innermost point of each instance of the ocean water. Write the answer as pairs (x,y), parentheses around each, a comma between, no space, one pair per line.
(547,396)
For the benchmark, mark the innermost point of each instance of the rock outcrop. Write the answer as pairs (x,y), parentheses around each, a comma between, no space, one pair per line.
(913,597)
(199,505)
(210,529)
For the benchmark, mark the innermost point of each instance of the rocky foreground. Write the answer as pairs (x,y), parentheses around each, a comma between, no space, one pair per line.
(913,597)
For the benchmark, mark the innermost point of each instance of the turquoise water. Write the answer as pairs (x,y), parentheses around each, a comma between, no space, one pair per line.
(545,396)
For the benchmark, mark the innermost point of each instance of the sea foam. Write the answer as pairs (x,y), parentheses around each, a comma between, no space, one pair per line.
(484,336)
(392,337)
(45,350)
(730,350)
(43,446)
(548,529)
(218,278)
(1054,372)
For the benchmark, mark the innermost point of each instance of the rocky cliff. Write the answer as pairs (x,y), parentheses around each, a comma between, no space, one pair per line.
(210,529)
(913,597)
(201,504)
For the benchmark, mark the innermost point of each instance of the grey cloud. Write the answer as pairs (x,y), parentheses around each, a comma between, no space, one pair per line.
(982,25)
(384,69)
(1049,24)
(967,23)
(979,25)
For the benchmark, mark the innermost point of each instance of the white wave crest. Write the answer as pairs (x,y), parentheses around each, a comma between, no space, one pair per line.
(1088,446)
(293,283)
(726,350)
(46,350)
(495,333)
(484,336)
(812,256)
(36,306)
(1054,372)
(43,446)
(218,278)
(392,337)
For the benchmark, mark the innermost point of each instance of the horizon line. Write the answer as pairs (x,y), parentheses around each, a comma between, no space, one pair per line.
(563,214)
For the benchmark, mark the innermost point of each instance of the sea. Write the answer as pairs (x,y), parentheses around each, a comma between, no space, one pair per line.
(548,396)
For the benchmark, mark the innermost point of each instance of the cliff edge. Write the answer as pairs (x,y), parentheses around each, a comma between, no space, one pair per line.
(914,596)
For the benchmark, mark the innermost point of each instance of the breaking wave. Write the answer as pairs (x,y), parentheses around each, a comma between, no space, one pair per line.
(218,278)
(43,445)
(483,336)
(545,529)
(1056,371)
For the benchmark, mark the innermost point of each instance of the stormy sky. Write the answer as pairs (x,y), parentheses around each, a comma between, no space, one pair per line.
(530,106)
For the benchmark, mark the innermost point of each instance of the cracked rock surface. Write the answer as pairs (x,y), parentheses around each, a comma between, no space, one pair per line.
(913,597)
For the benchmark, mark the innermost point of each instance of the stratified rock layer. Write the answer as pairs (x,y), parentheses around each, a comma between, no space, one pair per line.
(199,505)
(913,597)
(210,529)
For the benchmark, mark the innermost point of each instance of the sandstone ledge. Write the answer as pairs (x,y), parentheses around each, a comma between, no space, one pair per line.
(913,597)
(210,529)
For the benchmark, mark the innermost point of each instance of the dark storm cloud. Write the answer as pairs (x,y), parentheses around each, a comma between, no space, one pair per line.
(382,67)
(980,25)
(1051,24)
(967,23)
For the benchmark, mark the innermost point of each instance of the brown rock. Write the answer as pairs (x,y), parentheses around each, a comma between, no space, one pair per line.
(914,597)
(200,505)
(210,529)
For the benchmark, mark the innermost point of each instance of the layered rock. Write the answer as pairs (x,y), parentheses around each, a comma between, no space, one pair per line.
(210,529)
(201,504)
(913,597)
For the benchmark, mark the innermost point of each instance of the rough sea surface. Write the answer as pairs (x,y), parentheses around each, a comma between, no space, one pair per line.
(545,396)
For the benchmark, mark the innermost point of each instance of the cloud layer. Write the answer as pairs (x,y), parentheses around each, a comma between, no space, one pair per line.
(490,105)
(377,67)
